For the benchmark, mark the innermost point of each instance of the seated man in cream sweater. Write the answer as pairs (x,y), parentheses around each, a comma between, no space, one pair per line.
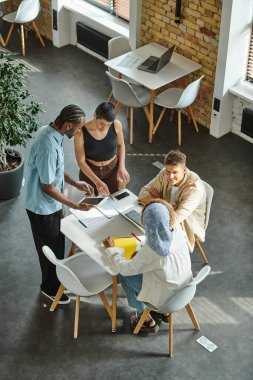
(184,190)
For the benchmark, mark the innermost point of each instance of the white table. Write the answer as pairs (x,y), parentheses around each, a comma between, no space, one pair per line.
(89,240)
(178,67)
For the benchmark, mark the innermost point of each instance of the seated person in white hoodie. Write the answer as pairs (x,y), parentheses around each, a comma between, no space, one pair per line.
(159,268)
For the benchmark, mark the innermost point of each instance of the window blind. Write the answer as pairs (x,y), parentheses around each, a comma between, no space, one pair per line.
(250,60)
(120,8)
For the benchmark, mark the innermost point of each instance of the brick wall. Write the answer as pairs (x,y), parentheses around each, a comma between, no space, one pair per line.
(196,37)
(43,21)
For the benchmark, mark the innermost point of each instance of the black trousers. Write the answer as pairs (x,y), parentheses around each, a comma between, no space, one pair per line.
(46,231)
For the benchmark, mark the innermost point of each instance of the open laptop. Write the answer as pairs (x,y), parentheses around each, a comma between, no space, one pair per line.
(123,203)
(154,64)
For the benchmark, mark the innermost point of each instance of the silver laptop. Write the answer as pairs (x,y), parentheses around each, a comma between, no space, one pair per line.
(122,201)
(154,64)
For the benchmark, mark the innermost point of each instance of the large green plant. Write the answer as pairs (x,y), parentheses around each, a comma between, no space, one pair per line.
(18,114)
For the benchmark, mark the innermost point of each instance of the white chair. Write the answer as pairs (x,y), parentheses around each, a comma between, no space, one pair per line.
(27,11)
(116,47)
(180,300)
(83,277)
(209,198)
(177,99)
(132,96)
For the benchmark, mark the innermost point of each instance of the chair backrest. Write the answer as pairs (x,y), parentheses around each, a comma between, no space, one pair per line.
(74,194)
(116,47)
(123,92)
(189,94)
(209,198)
(65,274)
(27,11)
(185,294)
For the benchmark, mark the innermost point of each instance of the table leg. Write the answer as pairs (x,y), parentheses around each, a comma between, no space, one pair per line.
(151,115)
(72,250)
(114,302)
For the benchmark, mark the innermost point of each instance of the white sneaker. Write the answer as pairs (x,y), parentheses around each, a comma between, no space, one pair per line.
(62,301)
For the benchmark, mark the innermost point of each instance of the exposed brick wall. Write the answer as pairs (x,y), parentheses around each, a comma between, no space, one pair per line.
(196,37)
(43,21)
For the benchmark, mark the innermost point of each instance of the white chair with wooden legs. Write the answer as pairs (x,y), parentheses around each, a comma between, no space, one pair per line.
(118,46)
(81,275)
(177,99)
(27,11)
(179,301)
(131,96)
(209,198)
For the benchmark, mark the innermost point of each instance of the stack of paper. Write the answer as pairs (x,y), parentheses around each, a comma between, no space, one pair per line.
(89,218)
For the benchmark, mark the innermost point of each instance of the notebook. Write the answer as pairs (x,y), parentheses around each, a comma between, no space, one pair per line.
(130,244)
(154,64)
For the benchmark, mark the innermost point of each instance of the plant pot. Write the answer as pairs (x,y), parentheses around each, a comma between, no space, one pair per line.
(11,181)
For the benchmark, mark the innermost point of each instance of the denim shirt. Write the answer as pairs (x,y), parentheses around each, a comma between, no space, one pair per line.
(45,166)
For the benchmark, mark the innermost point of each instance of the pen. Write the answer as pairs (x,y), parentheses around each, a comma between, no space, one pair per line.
(136,237)
(111,197)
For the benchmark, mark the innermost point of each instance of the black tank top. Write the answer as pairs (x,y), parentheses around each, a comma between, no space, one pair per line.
(100,150)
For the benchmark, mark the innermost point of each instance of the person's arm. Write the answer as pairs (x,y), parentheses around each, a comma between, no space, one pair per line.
(189,203)
(80,185)
(152,190)
(53,192)
(144,261)
(81,161)
(121,153)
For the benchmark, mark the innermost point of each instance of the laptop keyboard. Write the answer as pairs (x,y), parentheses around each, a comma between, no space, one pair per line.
(153,67)
(134,216)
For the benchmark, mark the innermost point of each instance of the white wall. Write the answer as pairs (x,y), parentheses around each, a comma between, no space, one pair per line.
(236,24)
(102,22)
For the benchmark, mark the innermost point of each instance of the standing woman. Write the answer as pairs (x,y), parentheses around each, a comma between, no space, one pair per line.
(100,151)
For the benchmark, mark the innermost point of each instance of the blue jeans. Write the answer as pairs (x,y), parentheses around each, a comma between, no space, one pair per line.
(132,286)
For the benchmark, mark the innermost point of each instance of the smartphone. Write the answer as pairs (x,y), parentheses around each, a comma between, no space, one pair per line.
(95,201)
(122,195)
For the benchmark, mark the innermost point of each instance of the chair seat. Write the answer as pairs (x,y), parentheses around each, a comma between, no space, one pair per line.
(169,98)
(142,94)
(10,17)
(92,276)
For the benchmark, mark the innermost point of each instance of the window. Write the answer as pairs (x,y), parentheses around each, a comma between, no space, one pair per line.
(119,8)
(250,60)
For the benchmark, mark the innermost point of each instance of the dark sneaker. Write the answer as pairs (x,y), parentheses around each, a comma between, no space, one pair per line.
(146,328)
(62,301)
(158,317)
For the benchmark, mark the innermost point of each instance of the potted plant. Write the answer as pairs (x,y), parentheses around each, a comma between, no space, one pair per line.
(18,120)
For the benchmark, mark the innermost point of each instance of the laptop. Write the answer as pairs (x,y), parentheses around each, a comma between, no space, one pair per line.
(122,201)
(154,64)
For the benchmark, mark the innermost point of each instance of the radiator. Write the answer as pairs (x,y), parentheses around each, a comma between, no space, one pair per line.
(92,39)
(247,122)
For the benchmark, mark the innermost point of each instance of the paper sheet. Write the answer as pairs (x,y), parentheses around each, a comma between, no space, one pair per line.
(89,218)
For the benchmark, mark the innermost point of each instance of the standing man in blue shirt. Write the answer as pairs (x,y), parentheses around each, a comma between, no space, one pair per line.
(44,191)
